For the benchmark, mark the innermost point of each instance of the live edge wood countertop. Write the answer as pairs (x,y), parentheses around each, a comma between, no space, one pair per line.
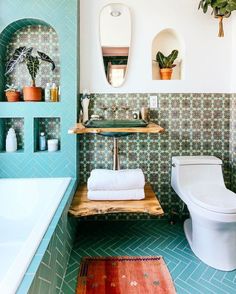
(81,206)
(151,128)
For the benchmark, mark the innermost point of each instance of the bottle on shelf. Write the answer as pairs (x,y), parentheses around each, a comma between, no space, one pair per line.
(42,142)
(11,141)
(54,93)
(47,93)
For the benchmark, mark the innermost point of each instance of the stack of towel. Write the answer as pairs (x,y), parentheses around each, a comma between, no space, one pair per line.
(127,184)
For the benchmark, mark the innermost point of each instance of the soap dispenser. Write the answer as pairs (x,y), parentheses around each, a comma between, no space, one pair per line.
(11,141)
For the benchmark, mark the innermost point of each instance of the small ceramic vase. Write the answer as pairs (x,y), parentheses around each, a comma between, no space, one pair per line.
(85,105)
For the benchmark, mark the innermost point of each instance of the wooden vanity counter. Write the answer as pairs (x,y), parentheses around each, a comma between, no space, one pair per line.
(81,206)
(151,128)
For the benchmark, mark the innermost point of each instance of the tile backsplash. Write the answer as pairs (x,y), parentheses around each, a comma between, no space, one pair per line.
(195,124)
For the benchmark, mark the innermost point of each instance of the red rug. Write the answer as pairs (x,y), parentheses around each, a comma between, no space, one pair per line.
(124,275)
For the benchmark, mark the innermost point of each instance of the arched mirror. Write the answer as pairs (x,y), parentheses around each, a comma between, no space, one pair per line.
(115,38)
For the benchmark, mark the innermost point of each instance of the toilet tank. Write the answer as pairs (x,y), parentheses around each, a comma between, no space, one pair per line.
(191,170)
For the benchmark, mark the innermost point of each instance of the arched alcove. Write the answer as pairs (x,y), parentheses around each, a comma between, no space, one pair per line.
(166,41)
(30,33)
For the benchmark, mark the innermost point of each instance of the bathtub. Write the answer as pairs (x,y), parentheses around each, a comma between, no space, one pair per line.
(26,209)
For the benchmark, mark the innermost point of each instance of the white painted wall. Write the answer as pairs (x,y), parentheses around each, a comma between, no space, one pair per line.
(233,52)
(208,59)
(115,31)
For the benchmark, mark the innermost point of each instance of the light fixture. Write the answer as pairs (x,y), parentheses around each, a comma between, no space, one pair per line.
(115,13)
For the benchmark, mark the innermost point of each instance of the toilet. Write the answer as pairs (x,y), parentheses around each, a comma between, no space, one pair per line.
(211,228)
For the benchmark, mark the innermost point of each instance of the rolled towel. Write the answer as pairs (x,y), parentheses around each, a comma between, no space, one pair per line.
(112,180)
(136,194)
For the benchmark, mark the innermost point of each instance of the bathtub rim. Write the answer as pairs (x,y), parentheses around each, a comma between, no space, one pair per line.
(41,250)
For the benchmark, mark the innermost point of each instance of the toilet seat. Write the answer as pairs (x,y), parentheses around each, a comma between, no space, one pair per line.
(213,197)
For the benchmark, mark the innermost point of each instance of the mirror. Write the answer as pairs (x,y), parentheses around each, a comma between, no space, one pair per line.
(115,39)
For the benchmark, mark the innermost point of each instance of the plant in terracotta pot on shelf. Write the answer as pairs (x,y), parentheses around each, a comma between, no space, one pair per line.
(23,54)
(166,64)
(220,8)
(12,93)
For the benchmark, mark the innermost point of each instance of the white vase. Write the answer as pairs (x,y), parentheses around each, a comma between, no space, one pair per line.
(11,141)
(85,105)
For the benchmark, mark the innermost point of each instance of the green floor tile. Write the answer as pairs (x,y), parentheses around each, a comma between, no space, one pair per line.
(148,237)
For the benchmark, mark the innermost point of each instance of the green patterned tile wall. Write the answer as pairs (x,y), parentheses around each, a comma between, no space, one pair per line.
(195,124)
(233,141)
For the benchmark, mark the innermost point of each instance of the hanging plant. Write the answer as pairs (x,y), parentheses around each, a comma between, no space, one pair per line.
(220,8)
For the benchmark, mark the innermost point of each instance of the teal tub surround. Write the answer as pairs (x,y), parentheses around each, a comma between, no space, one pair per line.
(46,272)
(61,21)
(195,124)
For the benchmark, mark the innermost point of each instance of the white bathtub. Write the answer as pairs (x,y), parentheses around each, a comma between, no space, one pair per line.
(26,209)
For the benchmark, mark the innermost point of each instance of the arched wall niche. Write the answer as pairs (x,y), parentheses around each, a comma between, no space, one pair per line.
(166,41)
(34,33)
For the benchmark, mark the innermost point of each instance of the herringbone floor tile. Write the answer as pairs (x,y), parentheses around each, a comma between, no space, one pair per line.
(146,238)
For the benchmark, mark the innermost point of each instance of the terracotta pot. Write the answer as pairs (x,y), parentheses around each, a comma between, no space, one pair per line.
(32,93)
(166,73)
(13,96)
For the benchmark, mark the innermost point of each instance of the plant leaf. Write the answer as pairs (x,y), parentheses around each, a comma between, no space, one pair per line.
(46,58)
(171,58)
(32,63)
(160,58)
(18,56)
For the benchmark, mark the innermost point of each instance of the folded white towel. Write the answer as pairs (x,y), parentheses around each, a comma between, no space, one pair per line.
(136,194)
(126,179)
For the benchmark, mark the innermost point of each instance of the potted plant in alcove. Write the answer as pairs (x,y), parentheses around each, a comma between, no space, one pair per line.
(166,64)
(23,54)
(220,8)
(12,93)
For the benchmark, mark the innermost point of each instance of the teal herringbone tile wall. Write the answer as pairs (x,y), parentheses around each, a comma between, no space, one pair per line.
(50,275)
(195,124)
(148,238)
(62,17)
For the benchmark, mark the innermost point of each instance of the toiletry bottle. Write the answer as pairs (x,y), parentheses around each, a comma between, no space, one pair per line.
(11,141)
(59,94)
(42,141)
(47,93)
(54,93)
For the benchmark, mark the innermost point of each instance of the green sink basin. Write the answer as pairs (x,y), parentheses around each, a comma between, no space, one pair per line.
(115,123)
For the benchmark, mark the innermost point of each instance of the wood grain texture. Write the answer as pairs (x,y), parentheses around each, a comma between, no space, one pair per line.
(150,128)
(81,206)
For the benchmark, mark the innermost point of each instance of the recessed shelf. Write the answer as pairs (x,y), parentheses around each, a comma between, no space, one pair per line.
(47,152)
(166,41)
(41,37)
(17,123)
(51,126)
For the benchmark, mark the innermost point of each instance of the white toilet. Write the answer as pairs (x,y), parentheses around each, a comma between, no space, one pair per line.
(211,228)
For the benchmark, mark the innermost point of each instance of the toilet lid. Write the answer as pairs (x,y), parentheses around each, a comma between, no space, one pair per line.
(213,197)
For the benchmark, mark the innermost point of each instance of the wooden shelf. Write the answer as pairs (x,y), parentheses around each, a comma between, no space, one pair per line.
(150,128)
(81,206)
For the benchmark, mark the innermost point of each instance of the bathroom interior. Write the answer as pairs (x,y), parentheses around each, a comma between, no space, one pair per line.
(102,157)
